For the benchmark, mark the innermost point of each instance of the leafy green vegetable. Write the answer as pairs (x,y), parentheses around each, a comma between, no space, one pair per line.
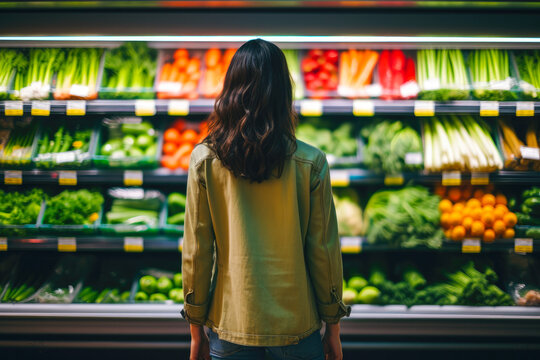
(323,134)
(16,143)
(64,144)
(11,62)
(490,72)
(73,207)
(81,68)
(20,208)
(528,62)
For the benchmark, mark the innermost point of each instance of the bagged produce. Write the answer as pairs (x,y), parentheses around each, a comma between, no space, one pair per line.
(491,75)
(18,141)
(78,75)
(348,211)
(180,74)
(520,144)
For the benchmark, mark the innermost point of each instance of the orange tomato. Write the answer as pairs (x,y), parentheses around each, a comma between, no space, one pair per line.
(510,219)
(181,53)
(172,135)
(489,236)
(169,148)
(184,162)
(477,228)
(190,136)
(179,124)
(454,194)
(488,199)
(168,162)
(445,205)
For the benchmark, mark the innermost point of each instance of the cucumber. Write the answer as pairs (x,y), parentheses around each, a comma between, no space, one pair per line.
(533,232)
(532,192)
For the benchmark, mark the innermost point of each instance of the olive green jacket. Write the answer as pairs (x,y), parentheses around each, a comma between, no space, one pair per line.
(261,262)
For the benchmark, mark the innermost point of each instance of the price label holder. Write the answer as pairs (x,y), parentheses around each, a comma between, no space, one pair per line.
(67,244)
(363,108)
(41,108)
(451,178)
(525,108)
(133,178)
(133,244)
(479,178)
(424,108)
(489,108)
(340,178)
(523,246)
(145,107)
(414,158)
(471,246)
(311,108)
(76,108)
(67,177)
(180,244)
(13,108)
(3,244)
(13,177)
(530,153)
(393,180)
(351,245)
(178,107)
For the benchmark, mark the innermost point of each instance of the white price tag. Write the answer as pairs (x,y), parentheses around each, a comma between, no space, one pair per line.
(178,107)
(133,244)
(363,108)
(413,158)
(451,178)
(523,245)
(13,177)
(340,178)
(133,178)
(479,178)
(81,91)
(67,244)
(311,108)
(489,108)
(351,245)
(530,153)
(409,90)
(3,244)
(180,244)
(432,84)
(41,108)
(145,107)
(525,108)
(76,108)
(393,179)
(373,90)
(13,108)
(424,108)
(65,157)
(169,87)
(67,177)
(471,246)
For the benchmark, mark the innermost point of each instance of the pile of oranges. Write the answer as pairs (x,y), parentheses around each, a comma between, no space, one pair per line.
(475,213)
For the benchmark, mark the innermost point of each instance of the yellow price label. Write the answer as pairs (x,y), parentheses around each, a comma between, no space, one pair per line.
(424,108)
(3,244)
(180,244)
(363,108)
(394,180)
(311,108)
(41,108)
(67,177)
(479,178)
(133,178)
(145,107)
(525,108)
(133,244)
(489,108)
(340,178)
(523,245)
(13,177)
(76,108)
(13,108)
(351,245)
(451,178)
(178,107)
(471,246)
(67,244)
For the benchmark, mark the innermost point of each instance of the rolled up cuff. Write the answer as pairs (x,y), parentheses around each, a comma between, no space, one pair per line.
(332,313)
(195,314)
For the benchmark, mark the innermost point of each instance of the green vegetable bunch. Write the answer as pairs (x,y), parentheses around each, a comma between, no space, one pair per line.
(73,138)
(490,72)
(324,135)
(11,62)
(528,212)
(408,217)
(73,207)
(176,204)
(81,68)
(16,144)
(528,63)
(20,207)
(129,72)
(388,143)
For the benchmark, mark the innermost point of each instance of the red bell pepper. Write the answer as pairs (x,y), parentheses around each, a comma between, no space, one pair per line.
(385,75)
(410,71)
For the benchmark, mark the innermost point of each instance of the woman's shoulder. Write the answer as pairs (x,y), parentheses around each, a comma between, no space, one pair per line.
(202,151)
(308,152)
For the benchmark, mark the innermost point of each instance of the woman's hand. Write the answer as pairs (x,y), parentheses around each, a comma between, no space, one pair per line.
(332,343)
(200,347)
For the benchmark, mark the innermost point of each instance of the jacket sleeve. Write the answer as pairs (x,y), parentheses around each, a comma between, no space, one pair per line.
(197,248)
(323,250)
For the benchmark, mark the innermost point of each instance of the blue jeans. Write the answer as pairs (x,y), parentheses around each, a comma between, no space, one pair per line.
(309,348)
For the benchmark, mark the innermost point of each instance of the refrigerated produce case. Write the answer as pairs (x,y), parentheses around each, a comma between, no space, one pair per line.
(109,261)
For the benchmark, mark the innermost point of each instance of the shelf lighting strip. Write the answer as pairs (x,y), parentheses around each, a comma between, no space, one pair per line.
(284,39)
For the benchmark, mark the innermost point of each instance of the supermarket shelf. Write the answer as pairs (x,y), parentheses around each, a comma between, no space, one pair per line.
(340,177)
(329,107)
(152,325)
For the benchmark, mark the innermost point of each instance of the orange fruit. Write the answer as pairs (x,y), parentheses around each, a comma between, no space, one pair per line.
(478,194)
(466,211)
(477,228)
(510,219)
(488,219)
(501,207)
(474,203)
(498,213)
(487,208)
(454,194)
(509,233)
(488,199)
(467,223)
(498,227)
(458,207)
(489,236)
(440,190)
(466,192)
(448,233)
(445,205)
(455,218)
(476,214)
(445,221)
(458,233)
(500,199)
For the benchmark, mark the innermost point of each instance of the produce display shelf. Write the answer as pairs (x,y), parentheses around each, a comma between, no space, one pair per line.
(329,107)
(340,177)
(164,243)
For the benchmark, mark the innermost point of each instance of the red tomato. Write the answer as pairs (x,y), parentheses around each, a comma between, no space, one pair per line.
(172,135)
(169,148)
(331,55)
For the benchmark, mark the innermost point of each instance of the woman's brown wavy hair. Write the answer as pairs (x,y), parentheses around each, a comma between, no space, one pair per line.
(252,127)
